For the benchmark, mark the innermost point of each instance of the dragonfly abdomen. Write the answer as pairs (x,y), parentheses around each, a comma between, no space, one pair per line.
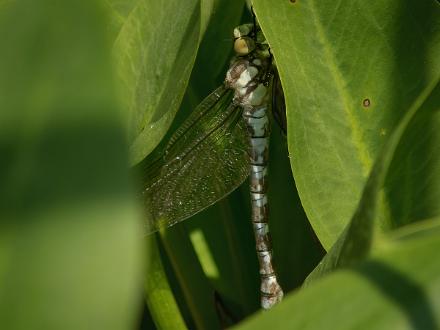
(259,132)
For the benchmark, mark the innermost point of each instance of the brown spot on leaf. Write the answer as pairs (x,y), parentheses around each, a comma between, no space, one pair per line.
(366,103)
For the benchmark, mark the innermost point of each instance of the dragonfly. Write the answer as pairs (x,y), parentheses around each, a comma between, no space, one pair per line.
(224,141)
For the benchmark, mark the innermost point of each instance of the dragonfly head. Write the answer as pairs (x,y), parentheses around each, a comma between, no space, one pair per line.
(244,42)
(250,38)
(244,45)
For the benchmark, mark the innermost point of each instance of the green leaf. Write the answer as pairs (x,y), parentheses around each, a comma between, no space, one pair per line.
(356,241)
(122,8)
(397,288)
(199,294)
(70,242)
(215,50)
(119,10)
(223,239)
(349,72)
(412,187)
(155,51)
(160,300)
(296,250)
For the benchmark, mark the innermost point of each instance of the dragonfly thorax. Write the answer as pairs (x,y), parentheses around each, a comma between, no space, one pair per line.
(248,74)
(247,77)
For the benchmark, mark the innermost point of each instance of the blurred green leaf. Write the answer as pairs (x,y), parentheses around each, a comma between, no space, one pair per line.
(70,238)
(397,288)
(122,8)
(119,10)
(155,51)
(349,72)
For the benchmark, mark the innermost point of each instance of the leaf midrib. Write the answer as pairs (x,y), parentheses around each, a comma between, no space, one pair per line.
(360,145)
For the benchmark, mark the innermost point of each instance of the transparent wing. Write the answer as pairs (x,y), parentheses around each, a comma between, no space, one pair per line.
(278,102)
(204,161)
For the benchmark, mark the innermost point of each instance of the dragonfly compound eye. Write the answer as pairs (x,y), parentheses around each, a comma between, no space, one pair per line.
(244,45)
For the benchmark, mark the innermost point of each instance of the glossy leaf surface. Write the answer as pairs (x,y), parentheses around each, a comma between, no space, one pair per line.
(349,72)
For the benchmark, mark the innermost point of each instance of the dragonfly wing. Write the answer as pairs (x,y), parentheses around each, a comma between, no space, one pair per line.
(204,161)
(278,102)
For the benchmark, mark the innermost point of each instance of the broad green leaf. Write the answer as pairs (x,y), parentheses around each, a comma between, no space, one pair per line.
(397,288)
(349,72)
(155,51)
(356,241)
(70,236)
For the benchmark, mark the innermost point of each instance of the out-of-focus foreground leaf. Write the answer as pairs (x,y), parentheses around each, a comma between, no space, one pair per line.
(70,236)
(349,72)
(155,51)
(398,288)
